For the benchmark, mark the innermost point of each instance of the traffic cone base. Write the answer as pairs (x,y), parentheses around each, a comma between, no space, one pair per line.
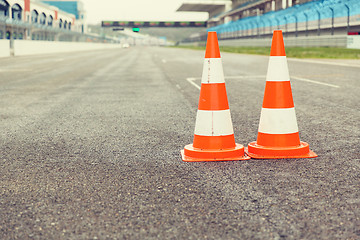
(191,154)
(260,152)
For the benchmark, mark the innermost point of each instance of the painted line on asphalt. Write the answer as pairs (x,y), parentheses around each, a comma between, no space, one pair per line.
(326,63)
(245,77)
(192,79)
(315,82)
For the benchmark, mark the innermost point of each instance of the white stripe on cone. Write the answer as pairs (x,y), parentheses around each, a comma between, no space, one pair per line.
(278,121)
(213,123)
(277,69)
(212,71)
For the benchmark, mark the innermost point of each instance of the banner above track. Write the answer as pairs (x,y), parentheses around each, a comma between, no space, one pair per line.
(152,24)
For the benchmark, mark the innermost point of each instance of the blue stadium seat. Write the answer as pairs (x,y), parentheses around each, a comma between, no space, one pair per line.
(299,13)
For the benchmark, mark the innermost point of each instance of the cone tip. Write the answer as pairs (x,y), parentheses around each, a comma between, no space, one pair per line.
(212,46)
(277,46)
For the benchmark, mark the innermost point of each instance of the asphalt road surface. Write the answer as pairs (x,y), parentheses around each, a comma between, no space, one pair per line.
(90,149)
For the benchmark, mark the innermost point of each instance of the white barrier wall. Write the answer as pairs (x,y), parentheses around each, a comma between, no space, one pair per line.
(23,47)
(4,48)
(353,42)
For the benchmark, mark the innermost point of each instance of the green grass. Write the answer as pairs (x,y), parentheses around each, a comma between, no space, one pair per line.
(295,52)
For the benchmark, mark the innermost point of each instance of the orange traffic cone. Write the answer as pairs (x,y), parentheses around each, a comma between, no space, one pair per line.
(278,134)
(214,135)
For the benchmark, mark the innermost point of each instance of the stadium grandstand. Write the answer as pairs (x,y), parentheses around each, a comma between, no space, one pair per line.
(241,19)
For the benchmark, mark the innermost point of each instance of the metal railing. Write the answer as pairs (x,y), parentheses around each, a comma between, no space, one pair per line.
(309,19)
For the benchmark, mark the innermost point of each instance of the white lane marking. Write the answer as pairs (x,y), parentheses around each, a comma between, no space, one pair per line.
(191,81)
(315,82)
(245,77)
(327,63)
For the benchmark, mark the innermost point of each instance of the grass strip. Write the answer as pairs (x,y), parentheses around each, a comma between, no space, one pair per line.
(295,52)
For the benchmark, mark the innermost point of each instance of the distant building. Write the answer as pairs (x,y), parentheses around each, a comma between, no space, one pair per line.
(75,7)
(36,20)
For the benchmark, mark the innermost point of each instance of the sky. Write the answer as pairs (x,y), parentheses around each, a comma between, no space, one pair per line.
(138,10)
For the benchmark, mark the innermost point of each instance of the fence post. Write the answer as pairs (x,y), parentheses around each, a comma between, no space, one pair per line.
(296,26)
(270,26)
(252,29)
(306,24)
(332,20)
(12,49)
(348,18)
(264,27)
(318,12)
(278,23)
(249,30)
